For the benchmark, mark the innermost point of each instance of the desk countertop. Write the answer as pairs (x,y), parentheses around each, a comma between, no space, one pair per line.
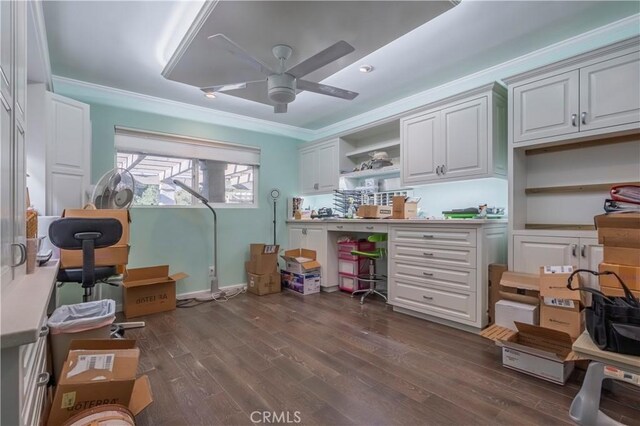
(452,222)
(24,303)
(585,347)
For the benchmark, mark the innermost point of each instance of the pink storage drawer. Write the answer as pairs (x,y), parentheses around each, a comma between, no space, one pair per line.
(350,284)
(345,248)
(353,267)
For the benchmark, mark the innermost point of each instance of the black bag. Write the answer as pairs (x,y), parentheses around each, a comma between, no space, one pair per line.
(612,322)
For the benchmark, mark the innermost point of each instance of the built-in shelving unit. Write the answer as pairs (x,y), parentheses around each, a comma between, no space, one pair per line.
(596,187)
(370,149)
(384,171)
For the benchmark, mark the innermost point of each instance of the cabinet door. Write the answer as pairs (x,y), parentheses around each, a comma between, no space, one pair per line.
(19,198)
(546,108)
(6,199)
(532,252)
(68,155)
(316,239)
(591,254)
(609,93)
(296,237)
(6,48)
(464,140)
(20,77)
(418,139)
(328,167)
(309,171)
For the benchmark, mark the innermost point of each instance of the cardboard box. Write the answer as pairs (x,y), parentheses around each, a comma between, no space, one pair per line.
(509,312)
(618,230)
(630,275)
(553,282)
(374,212)
(263,259)
(99,372)
(305,284)
(520,287)
(118,254)
(149,290)
(301,261)
(563,315)
(534,350)
(495,274)
(401,209)
(622,255)
(263,284)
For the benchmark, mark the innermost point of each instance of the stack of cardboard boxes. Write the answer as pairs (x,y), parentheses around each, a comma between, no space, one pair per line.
(262,269)
(302,271)
(620,236)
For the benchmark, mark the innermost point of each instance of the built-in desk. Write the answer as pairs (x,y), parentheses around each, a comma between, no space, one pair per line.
(437,269)
(24,305)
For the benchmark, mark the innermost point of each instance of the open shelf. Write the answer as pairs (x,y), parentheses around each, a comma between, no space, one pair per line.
(362,151)
(596,187)
(633,137)
(560,226)
(384,171)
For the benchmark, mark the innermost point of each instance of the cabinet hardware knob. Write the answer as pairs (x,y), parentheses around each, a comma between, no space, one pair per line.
(304,231)
(428,297)
(427,254)
(339,226)
(427,274)
(23,253)
(427,236)
(43,379)
(444,169)
(369,227)
(574,120)
(583,117)
(583,250)
(438,170)
(5,104)
(574,248)
(44,330)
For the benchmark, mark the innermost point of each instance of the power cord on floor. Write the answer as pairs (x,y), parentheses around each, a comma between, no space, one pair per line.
(222,297)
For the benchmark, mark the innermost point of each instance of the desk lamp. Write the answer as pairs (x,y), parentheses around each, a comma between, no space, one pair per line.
(215,293)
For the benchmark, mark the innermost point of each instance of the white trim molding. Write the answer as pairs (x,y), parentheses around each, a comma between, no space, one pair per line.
(36,14)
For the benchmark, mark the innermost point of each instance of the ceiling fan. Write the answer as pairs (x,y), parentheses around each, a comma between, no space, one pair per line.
(282,84)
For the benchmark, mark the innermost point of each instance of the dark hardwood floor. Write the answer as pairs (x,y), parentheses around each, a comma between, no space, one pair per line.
(325,359)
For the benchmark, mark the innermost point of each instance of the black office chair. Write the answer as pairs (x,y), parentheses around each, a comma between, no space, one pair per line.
(86,234)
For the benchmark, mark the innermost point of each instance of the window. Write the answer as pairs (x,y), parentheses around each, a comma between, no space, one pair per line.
(207,169)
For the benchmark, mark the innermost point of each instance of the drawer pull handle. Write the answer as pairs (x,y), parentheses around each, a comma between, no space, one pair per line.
(369,227)
(339,226)
(427,274)
(427,254)
(43,379)
(428,297)
(427,236)
(44,330)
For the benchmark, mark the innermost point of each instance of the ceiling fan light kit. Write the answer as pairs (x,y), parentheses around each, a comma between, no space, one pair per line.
(282,84)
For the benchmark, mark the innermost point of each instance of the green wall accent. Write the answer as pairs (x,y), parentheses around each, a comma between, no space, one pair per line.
(183,236)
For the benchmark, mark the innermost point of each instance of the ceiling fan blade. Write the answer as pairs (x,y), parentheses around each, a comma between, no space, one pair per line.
(228,87)
(324,89)
(237,51)
(280,108)
(321,59)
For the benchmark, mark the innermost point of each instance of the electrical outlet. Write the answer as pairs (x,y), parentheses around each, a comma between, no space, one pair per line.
(212,271)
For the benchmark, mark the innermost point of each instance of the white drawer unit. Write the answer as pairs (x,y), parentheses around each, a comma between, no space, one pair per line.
(428,275)
(434,236)
(456,305)
(372,228)
(346,227)
(453,256)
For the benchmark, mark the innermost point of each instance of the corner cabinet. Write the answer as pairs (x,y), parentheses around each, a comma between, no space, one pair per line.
(585,96)
(319,165)
(462,137)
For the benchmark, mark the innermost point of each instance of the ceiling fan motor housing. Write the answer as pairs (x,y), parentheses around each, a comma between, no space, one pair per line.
(282,88)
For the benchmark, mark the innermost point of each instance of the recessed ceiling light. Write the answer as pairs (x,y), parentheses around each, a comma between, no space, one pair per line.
(210,95)
(366,68)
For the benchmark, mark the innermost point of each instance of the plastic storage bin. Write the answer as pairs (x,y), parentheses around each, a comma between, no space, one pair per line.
(89,320)
(345,248)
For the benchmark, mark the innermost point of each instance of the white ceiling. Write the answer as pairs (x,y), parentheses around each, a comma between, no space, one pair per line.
(126,45)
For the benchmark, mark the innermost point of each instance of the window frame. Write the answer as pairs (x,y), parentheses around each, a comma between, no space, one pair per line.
(179,139)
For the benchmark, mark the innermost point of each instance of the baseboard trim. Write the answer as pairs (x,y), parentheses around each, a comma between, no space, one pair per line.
(227,288)
(442,321)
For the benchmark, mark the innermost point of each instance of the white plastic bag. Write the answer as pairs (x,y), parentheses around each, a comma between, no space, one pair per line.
(82,316)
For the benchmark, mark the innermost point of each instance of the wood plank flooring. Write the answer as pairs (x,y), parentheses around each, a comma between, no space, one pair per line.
(336,362)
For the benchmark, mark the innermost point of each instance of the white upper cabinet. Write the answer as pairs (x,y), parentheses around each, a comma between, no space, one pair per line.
(308,170)
(319,167)
(610,93)
(418,152)
(20,77)
(459,138)
(546,108)
(6,49)
(588,95)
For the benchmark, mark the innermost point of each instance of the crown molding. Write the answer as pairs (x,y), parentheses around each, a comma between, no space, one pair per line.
(36,14)
(137,101)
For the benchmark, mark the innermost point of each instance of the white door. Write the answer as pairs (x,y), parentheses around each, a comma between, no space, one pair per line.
(610,93)
(309,171)
(296,237)
(6,48)
(546,108)
(532,252)
(464,139)
(68,154)
(418,139)
(6,189)
(591,254)
(20,77)
(328,167)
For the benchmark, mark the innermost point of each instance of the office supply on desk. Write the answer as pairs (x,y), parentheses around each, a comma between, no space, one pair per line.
(626,193)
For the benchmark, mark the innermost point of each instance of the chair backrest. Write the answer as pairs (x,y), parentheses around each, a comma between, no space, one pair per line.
(66,233)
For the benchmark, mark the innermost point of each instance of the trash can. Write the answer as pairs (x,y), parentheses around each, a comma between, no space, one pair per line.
(89,320)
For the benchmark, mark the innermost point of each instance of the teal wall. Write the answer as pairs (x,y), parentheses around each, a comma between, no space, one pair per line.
(183,236)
